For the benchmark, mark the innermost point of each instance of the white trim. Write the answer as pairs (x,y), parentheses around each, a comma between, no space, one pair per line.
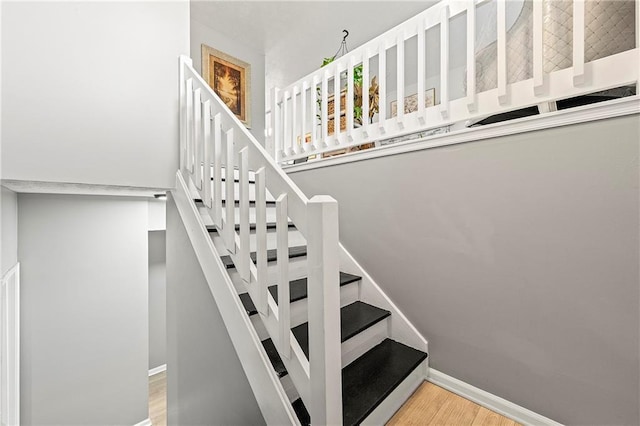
(145,422)
(70,188)
(610,109)
(488,400)
(158,369)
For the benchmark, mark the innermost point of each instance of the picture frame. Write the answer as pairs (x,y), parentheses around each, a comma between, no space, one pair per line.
(230,79)
(411,102)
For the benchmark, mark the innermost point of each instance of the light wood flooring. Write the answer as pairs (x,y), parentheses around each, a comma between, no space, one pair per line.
(432,405)
(158,399)
(429,405)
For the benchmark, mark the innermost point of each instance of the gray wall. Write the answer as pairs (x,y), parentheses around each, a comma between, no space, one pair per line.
(517,258)
(89,85)
(206,383)
(157,299)
(84,299)
(202,33)
(8,230)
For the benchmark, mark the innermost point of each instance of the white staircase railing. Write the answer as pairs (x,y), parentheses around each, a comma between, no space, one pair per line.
(213,140)
(297,128)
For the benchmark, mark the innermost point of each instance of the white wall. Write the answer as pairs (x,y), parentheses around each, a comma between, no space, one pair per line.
(157,299)
(89,91)
(84,267)
(202,33)
(8,230)
(517,258)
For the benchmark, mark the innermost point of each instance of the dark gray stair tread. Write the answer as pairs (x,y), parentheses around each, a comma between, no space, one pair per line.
(298,288)
(367,381)
(236,202)
(298,291)
(252,226)
(354,318)
(251,181)
(248,304)
(294,252)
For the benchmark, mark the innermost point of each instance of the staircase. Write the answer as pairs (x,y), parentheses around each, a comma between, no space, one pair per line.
(319,341)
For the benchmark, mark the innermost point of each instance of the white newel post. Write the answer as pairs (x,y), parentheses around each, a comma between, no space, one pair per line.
(324,311)
(183,61)
(272,143)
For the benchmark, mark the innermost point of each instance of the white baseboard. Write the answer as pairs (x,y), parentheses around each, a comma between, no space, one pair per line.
(158,369)
(488,400)
(145,422)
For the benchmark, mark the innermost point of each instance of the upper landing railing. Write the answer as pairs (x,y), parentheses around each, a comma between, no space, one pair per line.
(302,119)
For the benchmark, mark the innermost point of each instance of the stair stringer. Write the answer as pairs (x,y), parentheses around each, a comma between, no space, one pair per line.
(400,328)
(270,395)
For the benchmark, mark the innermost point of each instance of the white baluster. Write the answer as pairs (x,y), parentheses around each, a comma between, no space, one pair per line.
(261,240)
(294,120)
(275,141)
(471,56)
(324,311)
(208,151)
(349,98)
(365,94)
(245,249)
(400,80)
(183,113)
(382,87)
(197,130)
(284,312)
(337,110)
(286,126)
(578,42)
(217,171)
(502,52)
(314,112)
(444,62)
(229,226)
(538,58)
(421,71)
(189,162)
(324,93)
(303,113)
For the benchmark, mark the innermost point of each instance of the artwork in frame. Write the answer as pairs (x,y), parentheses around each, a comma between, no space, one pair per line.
(411,102)
(230,79)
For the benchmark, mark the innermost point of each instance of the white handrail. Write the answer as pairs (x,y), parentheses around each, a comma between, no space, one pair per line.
(286,138)
(210,131)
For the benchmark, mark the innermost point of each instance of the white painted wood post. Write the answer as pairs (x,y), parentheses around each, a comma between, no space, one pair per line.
(197,131)
(208,151)
(349,98)
(421,69)
(183,62)
(365,94)
(273,141)
(286,126)
(382,87)
(303,119)
(471,56)
(324,93)
(282,253)
(337,105)
(538,53)
(294,120)
(245,249)
(578,42)
(444,62)
(229,231)
(261,240)
(502,52)
(400,80)
(314,112)
(217,171)
(189,125)
(324,311)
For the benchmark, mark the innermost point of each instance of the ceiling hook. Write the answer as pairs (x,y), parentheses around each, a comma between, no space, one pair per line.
(345,36)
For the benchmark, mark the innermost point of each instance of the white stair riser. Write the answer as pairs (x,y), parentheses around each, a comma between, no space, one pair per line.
(299,312)
(236,192)
(359,344)
(295,239)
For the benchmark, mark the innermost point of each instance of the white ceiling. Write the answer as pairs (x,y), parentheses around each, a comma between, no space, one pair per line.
(296,35)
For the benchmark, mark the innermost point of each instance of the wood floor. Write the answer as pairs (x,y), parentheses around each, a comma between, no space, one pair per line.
(429,405)
(432,405)
(158,399)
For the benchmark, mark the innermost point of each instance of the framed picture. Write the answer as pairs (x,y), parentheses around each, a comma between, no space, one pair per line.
(230,79)
(411,102)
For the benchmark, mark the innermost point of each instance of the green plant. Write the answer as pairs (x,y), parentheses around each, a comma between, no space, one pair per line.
(357,84)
